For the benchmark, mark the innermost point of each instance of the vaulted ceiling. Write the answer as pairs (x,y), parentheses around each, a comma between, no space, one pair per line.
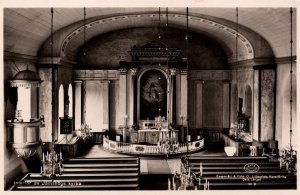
(263,32)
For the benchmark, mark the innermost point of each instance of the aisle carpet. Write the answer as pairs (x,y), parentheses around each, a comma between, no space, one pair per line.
(158,167)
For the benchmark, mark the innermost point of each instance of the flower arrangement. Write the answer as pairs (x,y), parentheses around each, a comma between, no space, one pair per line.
(84,132)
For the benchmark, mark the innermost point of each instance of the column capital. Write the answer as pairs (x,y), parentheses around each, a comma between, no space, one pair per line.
(123,71)
(133,71)
(183,71)
(173,71)
(77,81)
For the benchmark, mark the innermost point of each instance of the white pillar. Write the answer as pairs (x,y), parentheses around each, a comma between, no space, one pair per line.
(106,105)
(122,111)
(183,96)
(132,85)
(172,110)
(77,114)
(84,90)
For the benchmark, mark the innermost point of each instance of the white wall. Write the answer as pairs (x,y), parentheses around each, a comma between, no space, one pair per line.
(283,106)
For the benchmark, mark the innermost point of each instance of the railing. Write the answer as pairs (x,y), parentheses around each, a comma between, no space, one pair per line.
(128,148)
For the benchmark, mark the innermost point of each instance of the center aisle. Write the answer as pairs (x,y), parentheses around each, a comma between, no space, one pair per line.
(152,165)
(154,171)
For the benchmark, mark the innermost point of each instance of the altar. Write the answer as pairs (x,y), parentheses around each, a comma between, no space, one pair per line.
(152,136)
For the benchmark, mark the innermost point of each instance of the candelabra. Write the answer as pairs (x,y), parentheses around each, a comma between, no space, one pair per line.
(187,179)
(51,164)
(288,159)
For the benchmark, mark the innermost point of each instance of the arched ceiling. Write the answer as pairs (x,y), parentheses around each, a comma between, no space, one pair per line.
(267,30)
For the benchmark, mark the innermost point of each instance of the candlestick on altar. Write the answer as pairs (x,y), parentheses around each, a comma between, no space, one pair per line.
(169,184)
(207,185)
(43,157)
(60,155)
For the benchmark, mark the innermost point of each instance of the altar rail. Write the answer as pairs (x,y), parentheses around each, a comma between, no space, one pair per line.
(140,149)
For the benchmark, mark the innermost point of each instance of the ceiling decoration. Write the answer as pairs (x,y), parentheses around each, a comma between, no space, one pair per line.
(26,30)
(247,50)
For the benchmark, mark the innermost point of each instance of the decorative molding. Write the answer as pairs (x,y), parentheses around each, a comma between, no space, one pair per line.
(199,21)
(133,71)
(251,62)
(173,71)
(285,60)
(96,74)
(19,57)
(77,82)
(123,71)
(223,75)
(48,60)
(263,67)
(58,61)
(183,71)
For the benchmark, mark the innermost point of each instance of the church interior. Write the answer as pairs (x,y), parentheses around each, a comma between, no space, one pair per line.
(149,98)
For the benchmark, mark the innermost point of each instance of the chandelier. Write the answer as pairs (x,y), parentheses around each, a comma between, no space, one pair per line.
(288,156)
(52,162)
(186,179)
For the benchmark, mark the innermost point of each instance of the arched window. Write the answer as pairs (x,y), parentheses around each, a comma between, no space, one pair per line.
(61,101)
(60,107)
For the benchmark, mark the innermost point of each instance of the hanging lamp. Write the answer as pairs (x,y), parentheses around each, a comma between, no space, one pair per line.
(288,156)
(187,179)
(52,162)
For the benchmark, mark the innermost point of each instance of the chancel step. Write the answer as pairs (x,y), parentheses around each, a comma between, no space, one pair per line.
(260,164)
(82,165)
(250,185)
(88,174)
(70,179)
(86,169)
(79,187)
(232,168)
(234,173)
(224,159)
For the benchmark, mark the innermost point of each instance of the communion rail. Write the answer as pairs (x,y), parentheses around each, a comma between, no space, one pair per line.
(141,149)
